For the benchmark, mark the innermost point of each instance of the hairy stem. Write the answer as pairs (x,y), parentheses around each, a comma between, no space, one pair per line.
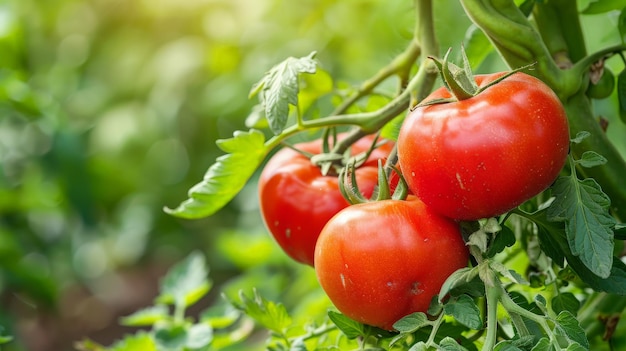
(493,297)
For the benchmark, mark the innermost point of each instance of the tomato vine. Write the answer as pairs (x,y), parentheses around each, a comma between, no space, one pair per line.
(573,224)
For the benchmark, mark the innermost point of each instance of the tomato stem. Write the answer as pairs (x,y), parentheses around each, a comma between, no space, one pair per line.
(581,67)
(568,18)
(493,296)
(436,324)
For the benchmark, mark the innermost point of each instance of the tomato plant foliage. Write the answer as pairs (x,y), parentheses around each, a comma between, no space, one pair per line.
(537,205)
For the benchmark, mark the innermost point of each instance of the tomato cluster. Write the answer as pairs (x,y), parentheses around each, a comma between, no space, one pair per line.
(463,160)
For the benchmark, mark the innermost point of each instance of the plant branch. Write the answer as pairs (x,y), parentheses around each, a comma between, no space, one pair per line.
(518,43)
(569,21)
(582,66)
(493,296)
(548,25)
(400,66)
(424,44)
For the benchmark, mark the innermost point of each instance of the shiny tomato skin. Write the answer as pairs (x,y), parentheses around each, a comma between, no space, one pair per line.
(485,155)
(297,200)
(380,261)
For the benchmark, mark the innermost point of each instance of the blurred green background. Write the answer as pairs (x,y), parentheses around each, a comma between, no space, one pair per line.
(109,111)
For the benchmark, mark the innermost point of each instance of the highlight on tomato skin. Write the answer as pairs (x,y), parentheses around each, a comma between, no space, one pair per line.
(297,200)
(483,156)
(380,261)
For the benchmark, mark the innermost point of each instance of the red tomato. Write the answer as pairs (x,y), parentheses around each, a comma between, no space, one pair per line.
(297,200)
(485,155)
(380,261)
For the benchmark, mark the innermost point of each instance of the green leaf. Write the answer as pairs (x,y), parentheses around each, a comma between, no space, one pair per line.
(602,6)
(465,311)
(449,344)
(234,334)
(554,233)
(186,282)
(569,326)
(456,279)
(146,317)
(541,303)
(221,315)
(521,343)
(591,159)
(565,301)
(170,337)
(503,239)
(614,284)
(226,177)
(588,226)
(420,346)
(412,322)
(479,239)
(508,273)
(270,315)
(506,346)
(580,136)
(199,335)
(575,347)
(182,337)
(279,88)
(140,341)
(352,329)
(543,345)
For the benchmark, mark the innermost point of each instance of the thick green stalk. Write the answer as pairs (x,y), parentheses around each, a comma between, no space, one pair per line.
(569,22)
(519,43)
(549,26)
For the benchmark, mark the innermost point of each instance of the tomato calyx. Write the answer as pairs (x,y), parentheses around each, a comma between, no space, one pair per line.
(330,160)
(350,190)
(459,81)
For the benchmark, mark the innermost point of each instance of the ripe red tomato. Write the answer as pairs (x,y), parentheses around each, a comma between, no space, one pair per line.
(379,261)
(297,200)
(483,156)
